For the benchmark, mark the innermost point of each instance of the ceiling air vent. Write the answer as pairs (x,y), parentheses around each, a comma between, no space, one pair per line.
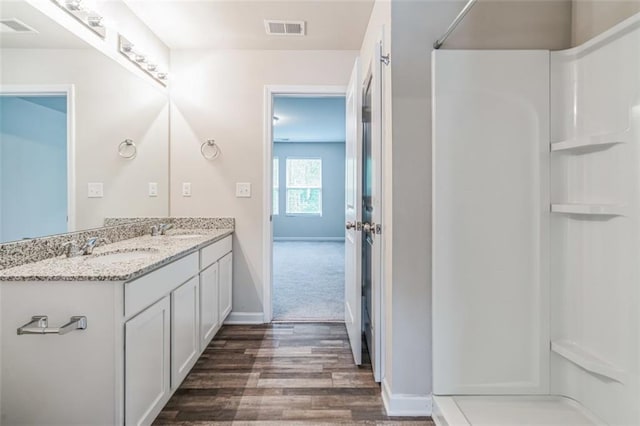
(14,26)
(286,28)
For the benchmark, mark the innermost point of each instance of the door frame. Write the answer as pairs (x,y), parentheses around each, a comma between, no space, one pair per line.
(48,90)
(270,91)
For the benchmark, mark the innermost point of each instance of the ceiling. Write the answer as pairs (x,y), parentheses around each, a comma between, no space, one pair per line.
(49,34)
(239,24)
(303,119)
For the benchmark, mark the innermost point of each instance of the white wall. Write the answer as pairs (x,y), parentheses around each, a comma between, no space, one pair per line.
(111,105)
(219,94)
(415,26)
(592,17)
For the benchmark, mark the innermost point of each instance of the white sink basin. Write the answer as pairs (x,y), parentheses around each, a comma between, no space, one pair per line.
(120,256)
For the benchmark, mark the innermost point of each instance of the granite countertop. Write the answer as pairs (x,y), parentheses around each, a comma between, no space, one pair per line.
(158,251)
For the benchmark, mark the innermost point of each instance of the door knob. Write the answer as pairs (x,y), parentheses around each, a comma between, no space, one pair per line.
(369,227)
(351,225)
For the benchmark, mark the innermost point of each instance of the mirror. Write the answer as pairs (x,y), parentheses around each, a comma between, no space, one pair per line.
(81,137)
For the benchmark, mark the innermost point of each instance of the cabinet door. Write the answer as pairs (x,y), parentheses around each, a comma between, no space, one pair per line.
(209,318)
(226,280)
(147,363)
(185,330)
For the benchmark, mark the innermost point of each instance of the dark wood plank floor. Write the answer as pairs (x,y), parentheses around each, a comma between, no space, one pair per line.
(279,374)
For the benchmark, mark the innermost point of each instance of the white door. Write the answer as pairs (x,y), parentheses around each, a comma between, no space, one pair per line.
(490,222)
(147,363)
(185,330)
(353,244)
(208,304)
(371,239)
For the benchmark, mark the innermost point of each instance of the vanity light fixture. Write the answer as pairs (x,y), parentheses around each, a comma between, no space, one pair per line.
(209,149)
(146,64)
(89,18)
(74,5)
(95,21)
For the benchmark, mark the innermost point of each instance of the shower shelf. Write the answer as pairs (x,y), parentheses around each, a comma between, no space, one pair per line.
(589,209)
(586,360)
(592,143)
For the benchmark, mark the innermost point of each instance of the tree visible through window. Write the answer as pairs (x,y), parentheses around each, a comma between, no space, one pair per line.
(304,186)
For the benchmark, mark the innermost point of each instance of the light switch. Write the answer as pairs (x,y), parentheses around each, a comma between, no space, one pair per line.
(186,189)
(243,190)
(153,189)
(95,190)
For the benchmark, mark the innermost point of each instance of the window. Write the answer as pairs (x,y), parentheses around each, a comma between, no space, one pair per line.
(304,186)
(275,200)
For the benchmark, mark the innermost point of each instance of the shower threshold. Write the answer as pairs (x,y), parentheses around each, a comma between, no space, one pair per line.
(543,410)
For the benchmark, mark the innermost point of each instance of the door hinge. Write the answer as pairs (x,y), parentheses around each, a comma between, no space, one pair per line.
(386,59)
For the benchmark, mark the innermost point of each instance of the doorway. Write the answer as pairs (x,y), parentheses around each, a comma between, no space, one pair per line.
(353,94)
(308,207)
(36,159)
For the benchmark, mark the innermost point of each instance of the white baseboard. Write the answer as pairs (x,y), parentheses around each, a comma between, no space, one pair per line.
(308,239)
(405,405)
(240,318)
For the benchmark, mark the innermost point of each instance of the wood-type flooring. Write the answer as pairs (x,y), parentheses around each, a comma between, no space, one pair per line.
(280,374)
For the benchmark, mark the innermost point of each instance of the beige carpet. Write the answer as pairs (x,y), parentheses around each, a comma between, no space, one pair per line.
(308,280)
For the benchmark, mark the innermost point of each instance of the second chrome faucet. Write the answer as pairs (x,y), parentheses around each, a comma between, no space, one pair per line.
(72,249)
(160,229)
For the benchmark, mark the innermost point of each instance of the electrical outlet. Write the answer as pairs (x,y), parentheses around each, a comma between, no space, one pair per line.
(186,189)
(95,190)
(243,190)
(153,189)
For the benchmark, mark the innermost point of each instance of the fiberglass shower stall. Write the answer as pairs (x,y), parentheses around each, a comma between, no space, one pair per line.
(536,230)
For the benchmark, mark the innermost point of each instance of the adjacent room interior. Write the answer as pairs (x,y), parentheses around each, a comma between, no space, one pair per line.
(308,208)
(33,158)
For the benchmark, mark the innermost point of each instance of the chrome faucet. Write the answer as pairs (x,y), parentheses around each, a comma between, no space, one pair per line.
(71,248)
(160,229)
(92,243)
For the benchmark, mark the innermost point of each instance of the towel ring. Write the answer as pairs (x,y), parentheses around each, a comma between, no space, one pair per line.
(127,149)
(210,150)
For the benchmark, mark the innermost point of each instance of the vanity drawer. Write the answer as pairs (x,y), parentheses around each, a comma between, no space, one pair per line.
(215,251)
(144,291)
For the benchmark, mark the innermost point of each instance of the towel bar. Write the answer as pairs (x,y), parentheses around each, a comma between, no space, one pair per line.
(39,324)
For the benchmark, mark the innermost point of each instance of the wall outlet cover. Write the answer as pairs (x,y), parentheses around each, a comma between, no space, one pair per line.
(153,189)
(186,189)
(95,190)
(243,190)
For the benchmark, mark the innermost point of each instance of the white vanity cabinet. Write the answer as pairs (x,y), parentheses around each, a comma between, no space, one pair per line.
(209,311)
(142,338)
(215,288)
(226,280)
(185,330)
(147,355)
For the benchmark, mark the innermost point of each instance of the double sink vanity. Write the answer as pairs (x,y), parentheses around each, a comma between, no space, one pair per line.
(107,337)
